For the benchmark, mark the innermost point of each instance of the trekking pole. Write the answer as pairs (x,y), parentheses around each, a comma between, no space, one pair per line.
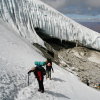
(28,79)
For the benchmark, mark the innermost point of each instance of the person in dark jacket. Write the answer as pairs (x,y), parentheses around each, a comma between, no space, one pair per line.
(48,68)
(39,73)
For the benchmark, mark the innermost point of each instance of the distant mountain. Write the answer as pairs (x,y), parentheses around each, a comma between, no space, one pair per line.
(92,25)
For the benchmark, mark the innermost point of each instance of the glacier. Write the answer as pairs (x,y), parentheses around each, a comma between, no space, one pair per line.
(17,57)
(26,15)
(18,20)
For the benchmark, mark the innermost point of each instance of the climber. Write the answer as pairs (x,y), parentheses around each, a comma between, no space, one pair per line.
(39,73)
(48,68)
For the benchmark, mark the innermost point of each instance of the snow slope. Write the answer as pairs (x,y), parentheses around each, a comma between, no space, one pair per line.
(25,15)
(63,86)
(17,56)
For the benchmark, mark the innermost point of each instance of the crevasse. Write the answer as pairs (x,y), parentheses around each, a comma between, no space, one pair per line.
(25,15)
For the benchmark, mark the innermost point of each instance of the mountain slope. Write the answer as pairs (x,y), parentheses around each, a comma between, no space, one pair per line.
(27,15)
(18,20)
(63,86)
(17,56)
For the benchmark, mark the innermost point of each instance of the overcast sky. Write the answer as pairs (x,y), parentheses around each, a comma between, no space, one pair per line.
(83,7)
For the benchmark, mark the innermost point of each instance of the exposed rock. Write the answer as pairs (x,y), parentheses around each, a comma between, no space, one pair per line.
(78,60)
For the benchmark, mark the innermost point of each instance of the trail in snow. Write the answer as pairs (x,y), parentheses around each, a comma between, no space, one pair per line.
(52,89)
(63,86)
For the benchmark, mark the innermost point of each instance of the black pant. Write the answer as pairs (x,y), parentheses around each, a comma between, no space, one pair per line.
(48,74)
(41,86)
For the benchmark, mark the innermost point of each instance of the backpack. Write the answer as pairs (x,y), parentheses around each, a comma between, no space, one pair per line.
(39,63)
(44,72)
(41,69)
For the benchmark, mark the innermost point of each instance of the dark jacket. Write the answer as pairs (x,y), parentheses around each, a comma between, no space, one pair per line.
(48,68)
(39,72)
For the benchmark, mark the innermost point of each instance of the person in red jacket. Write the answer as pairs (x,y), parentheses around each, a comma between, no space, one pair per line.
(39,73)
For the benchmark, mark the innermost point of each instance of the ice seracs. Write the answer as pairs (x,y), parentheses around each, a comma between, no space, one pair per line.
(25,15)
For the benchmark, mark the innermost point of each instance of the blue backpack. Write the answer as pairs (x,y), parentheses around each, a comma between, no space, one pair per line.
(39,63)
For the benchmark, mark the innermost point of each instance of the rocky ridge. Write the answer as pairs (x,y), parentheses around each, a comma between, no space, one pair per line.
(78,60)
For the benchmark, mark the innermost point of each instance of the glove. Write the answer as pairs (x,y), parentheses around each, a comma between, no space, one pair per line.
(28,72)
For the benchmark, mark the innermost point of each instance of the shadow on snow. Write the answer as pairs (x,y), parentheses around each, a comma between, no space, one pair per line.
(57,79)
(56,94)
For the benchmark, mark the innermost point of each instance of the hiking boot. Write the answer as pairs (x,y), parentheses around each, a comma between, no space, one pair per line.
(42,91)
(39,90)
(50,78)
(47,77)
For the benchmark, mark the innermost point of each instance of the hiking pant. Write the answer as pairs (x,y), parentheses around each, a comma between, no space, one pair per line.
(40,83)
(48,74)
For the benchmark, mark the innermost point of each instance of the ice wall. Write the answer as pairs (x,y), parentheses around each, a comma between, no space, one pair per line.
(25,15)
